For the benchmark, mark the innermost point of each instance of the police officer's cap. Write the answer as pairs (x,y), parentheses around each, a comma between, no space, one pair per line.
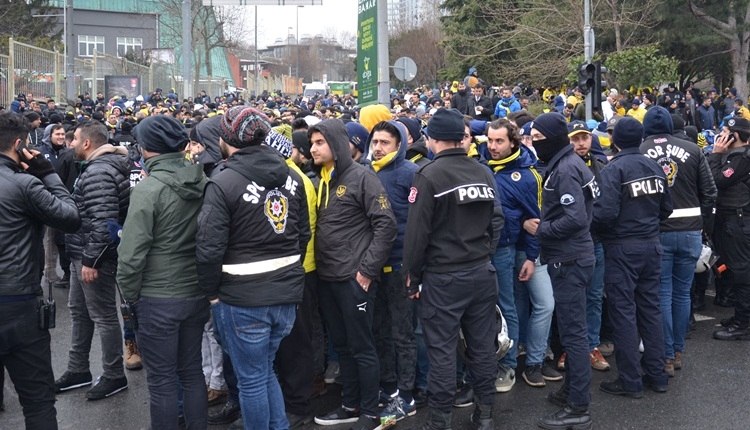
(738,124)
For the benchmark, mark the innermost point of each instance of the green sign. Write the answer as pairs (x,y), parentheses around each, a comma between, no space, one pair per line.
(367,52)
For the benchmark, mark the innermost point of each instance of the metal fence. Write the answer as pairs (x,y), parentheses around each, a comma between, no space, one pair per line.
(40,72)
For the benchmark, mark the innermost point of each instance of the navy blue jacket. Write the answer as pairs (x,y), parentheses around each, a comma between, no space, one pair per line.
(568,197)
(634,198)
(519,186)
(397,177)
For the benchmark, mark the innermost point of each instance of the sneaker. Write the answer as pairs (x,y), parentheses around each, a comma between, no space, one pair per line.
(397,410)
(506,378)
(372,423)
(340,415)
(677,360)
(385,399)
(216,397)
(533,376)
(607,348)
(105,387)
(726,322)
(561,362)
(228,414)
(597,361)
(464,397)
(420,397)
(71,380)
(132,356)
(521,350)
(669,367)
(332,372)
(550,374)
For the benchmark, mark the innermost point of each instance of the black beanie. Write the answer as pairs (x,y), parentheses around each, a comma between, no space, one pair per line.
(302,143)
(161,134)
(412,126)
(628,133)
(554,128)
(446,125)
(32,116)
(677,122)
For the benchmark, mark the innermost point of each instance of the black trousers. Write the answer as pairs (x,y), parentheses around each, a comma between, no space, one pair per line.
(25,352)
(294,359)
(348,311)
(732,239)
(463,299)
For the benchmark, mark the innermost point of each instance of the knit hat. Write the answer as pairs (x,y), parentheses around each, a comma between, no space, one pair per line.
(738,124)
(576,127)
(552,125)
(446,125)
(373,114)
(302,143)
(628,133)
(162,134)
(677,122)
(412,126)
(32,116)
(244,126)
(358,136)
(280,139)
(55,118)
(733,91)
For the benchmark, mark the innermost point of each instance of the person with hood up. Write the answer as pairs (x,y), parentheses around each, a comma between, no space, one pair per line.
(566,247)
(693,191)
(506,104)
(252,238)
(354,234)
(102,195)
(472,79)
(156,273)
(393,328)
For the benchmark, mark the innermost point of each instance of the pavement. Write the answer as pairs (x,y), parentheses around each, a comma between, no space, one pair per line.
(710,392)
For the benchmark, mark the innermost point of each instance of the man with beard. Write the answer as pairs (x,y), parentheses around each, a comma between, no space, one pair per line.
(460,100)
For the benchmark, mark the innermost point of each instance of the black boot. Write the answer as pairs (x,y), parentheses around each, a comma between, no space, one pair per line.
(736,331)
(438,420)
(559,397)
(481,418)
(576,418)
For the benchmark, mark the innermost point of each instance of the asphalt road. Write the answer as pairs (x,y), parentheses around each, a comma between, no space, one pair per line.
(710,392)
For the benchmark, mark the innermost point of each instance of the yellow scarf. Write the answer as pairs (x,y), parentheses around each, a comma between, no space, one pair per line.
(377,165)
(325,178)
(498,165)
(473,150)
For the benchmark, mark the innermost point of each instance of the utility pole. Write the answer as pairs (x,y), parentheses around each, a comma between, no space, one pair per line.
(187,48)
(588,50)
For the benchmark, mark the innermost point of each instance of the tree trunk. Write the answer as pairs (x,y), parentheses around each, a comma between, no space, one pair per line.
(739,55)
(618,26)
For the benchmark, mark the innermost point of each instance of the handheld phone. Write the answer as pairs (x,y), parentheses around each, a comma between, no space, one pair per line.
(21,147)
(731,139)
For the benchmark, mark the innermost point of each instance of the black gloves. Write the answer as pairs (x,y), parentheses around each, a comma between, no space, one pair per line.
(39,166)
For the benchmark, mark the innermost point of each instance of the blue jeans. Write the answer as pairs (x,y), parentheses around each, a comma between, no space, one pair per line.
(681,252)
(169,335)
(594,298)
(252,336)
(535,322)
(504,260)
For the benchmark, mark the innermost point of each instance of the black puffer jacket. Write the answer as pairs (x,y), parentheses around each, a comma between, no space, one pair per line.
(28,204)
(102,195)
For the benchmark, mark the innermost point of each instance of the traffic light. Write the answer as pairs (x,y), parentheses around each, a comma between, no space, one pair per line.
(598,88)
(586,77)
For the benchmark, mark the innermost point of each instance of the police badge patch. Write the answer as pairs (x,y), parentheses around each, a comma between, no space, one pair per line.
(276,208)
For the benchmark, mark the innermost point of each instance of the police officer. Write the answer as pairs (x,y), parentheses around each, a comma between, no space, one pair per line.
(730,165)
(450,258)
(563,235)
(634,199)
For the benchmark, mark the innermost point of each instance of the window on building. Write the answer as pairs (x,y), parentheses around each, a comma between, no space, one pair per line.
(87,45)
(129,44)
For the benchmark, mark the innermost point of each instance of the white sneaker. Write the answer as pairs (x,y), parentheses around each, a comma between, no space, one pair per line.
(506,378)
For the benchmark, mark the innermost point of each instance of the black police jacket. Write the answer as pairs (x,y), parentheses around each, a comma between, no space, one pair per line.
(634,198)
(731,172)
(567,201)
(455,218)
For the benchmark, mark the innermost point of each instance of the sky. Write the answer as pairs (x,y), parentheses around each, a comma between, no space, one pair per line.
(274,21)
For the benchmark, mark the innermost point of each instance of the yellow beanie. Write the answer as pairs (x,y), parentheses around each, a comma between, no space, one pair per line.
(369,116)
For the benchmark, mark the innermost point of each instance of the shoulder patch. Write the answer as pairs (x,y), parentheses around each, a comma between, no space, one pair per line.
(516,176)
(383,200)
(567,199)
(729,172)
(341,190)
(413,194)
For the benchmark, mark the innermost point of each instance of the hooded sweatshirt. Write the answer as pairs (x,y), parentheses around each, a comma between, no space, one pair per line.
(356,227)
(50,152)
(253,231)
(506,106)
(157,251)
(689,177)
(397,173)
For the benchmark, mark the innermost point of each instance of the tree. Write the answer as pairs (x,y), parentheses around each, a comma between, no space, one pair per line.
(423,46)
(640,67)
(730,21)
(17,21)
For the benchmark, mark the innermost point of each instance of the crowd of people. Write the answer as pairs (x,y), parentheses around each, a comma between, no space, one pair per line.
(258,250)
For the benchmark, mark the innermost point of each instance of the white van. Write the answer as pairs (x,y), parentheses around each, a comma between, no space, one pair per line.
(315,88)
